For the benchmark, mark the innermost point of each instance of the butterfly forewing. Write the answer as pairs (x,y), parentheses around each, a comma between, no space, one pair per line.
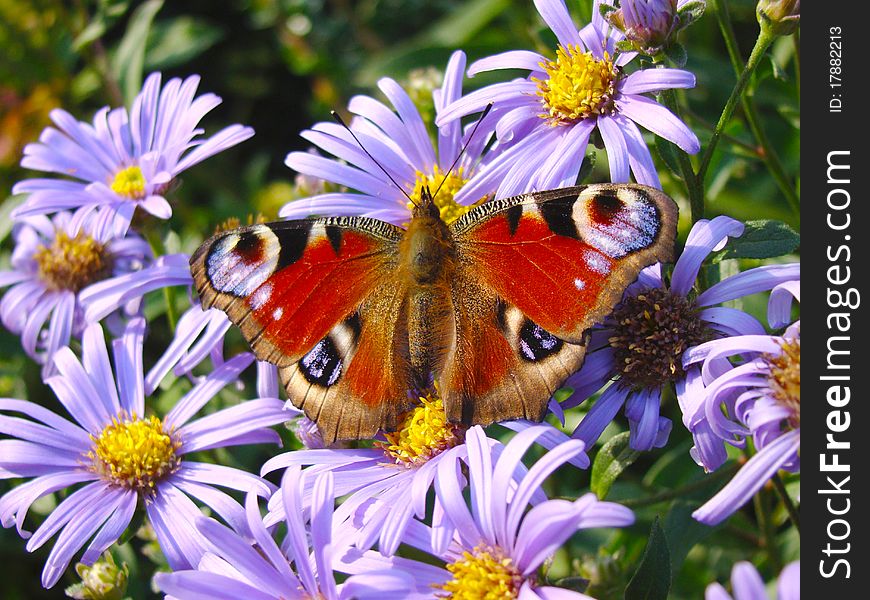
(317,298)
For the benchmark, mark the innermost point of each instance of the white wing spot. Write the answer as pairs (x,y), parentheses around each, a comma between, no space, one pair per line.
(579,283)
(278,313)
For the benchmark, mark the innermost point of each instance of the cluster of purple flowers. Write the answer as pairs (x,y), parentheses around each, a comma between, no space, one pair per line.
(460,496)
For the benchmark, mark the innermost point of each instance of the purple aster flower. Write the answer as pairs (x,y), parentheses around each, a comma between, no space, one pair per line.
(299,568)
(647,336)
(746,584)
(123,457)
(403,148)
(758,398)
(388,484)
(496,545)
(650,25)
(54,265)
(548,117)
(124,160)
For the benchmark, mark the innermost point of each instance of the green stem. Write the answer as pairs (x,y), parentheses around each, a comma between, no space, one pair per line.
(694,186)
(681,491)
(792,510)
(765,525)
(768,153)
(762,43)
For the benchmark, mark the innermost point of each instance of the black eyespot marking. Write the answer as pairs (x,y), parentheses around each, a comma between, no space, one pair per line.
(558,215)
(501,315)
(537,343)
(513,215)
(354,323)
(322,365)
(293,242)
(249,246)
(606,206)
(333,234)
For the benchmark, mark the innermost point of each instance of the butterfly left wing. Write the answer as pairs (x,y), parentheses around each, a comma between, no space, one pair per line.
(318,298)
(534,273)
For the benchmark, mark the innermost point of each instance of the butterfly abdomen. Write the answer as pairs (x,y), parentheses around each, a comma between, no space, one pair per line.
(428,258)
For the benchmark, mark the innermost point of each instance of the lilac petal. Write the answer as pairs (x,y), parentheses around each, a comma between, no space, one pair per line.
(749,479)
(448,490)
(28,431)
(189,326)
(413,122)
(220,141)
(449,136)
(222,504)
(747,582)
(113,528)
(95,361)
(61,324)
(617,151)
(731,321)
(480,479)
(600,415)
(76,392)
(542,469)
(377,585)
(658,119)
(15,503)
(342,456)
(27,459)
(339,143)
(553,593)
(789,584)
(264,541)
(639,157)
(598,368)
(703,239)
(297,540)
(128,367)
(74,535)
(17,303)
(512,93)
(173,514)
(562,167)
(344,204)
(643,436)
(557,18)
(513,59)
(521,176)
(157,206)
(232,422)
(602,514)
(35,321)
(224,476)
(267,380)
(391,126)
(393,529)
(201,585)
(322,507)
(755,280)
(204,391)
(545,528)
(779,304)
(329,170)
(654,80)
(549,439)
(715,591)
(79,501)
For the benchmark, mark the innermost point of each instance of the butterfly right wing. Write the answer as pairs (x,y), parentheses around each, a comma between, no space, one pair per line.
(320,299)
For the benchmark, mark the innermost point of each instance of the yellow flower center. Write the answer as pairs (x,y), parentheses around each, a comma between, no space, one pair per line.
(483,574)
(72,263)
(449,186)
(135,453)
(425,433)
(577,86)
(129,183)
(785,378)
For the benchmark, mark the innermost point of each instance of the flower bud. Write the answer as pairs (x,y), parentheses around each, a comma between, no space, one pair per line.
(650,25)
(103,580)
(781,17)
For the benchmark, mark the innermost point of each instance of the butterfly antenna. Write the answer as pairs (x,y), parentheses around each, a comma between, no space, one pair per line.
(338,118)
(464,147)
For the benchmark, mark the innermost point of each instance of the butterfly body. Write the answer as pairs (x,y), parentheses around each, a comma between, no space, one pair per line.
(360,315)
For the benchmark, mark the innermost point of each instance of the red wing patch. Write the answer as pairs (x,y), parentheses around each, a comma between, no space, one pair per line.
(564,257)
(286,285)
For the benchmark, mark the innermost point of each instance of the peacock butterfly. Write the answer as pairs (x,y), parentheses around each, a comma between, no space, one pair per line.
(494,307)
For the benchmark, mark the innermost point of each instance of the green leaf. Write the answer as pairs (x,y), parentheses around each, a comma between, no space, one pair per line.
(677,54)
(668,153)
(586,168)
(683,532)
(691,12)
(652,580)
(129,60)
(178,41)
(762,239)
(613,458)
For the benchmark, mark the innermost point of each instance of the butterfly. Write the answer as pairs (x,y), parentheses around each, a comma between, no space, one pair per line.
(359,314)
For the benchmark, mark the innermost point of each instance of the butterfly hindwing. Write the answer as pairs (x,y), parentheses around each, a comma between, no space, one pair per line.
(535,272)
(319,299)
